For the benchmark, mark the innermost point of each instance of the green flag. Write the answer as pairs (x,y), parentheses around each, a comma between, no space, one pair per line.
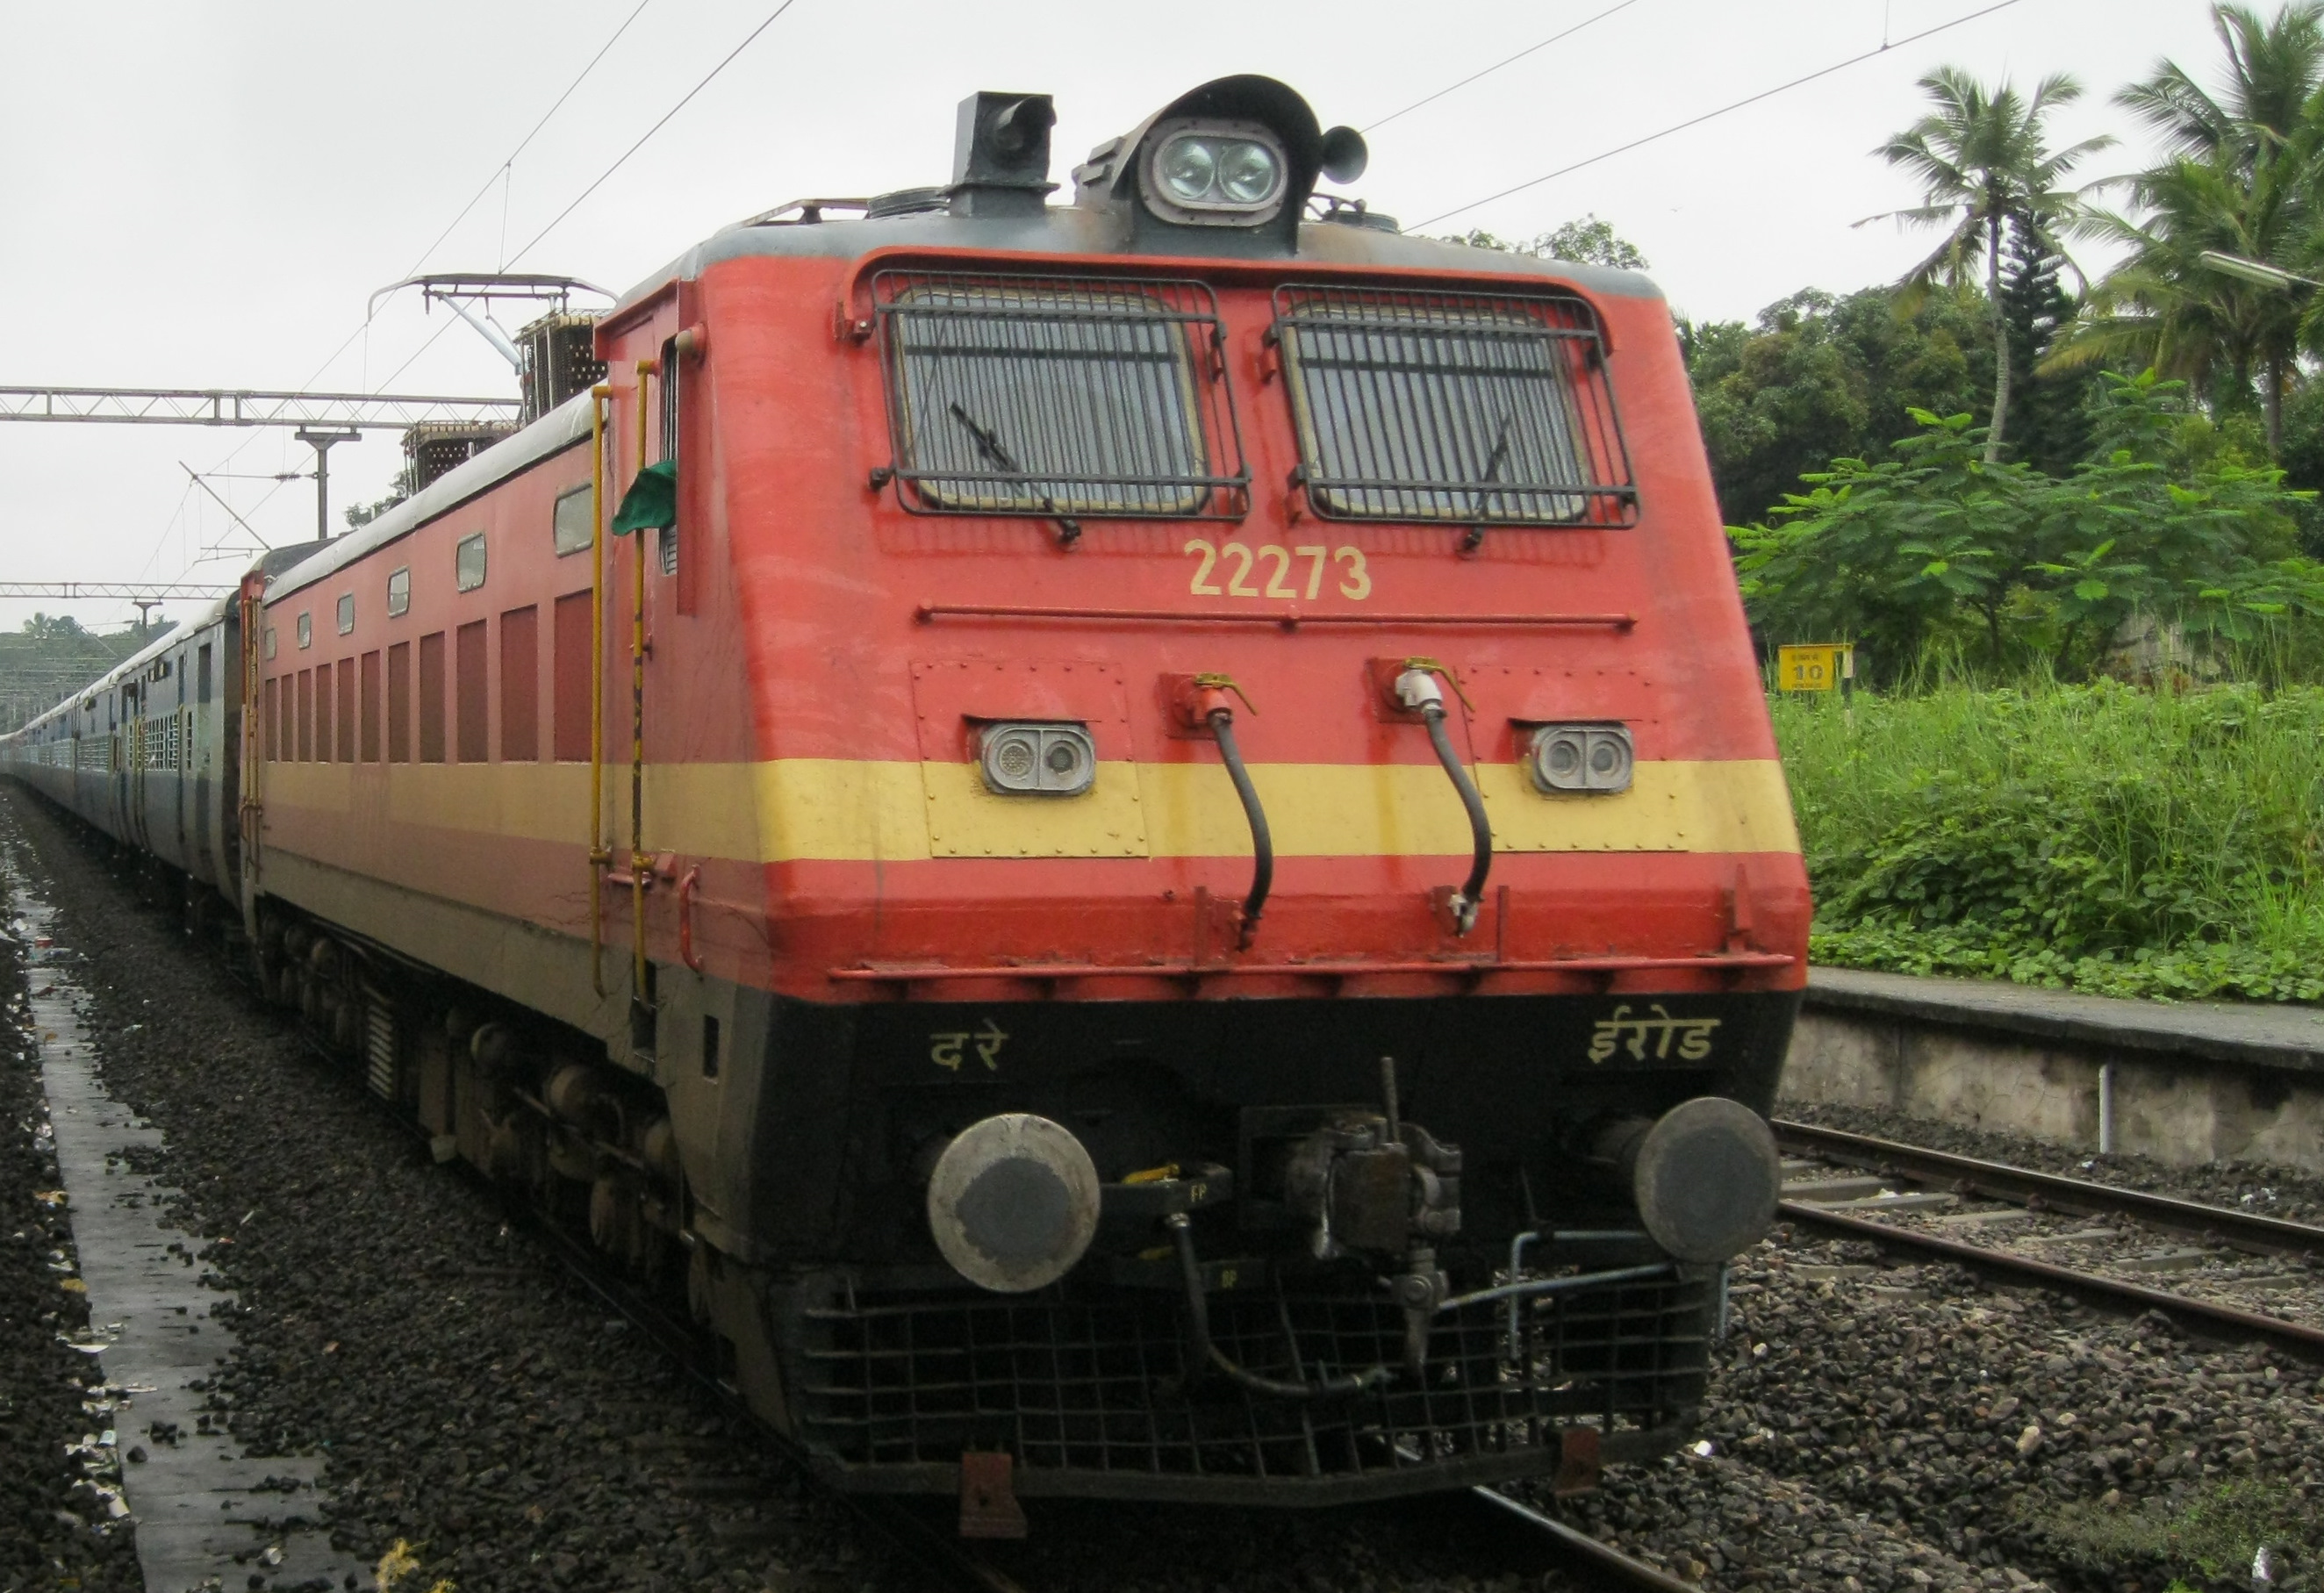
(650,501)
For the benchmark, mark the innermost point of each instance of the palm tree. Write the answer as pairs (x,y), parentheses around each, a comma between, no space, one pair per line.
(2272,70)
(2241,179)
(1984,164)
(2165,307)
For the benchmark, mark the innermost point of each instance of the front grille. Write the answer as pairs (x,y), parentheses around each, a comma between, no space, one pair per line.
(1098,1385)
(1058,396)
(1480,409)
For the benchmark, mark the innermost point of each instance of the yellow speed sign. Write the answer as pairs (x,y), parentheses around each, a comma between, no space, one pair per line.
(1815,666)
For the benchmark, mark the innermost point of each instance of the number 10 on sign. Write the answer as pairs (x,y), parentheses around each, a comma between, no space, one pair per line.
(1822,666)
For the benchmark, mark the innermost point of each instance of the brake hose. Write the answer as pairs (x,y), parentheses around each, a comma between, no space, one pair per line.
(1198,1312)
(1417,690)
(1262,843)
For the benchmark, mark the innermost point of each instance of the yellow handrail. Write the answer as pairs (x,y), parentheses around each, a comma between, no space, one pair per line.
(638,861)
(600,854)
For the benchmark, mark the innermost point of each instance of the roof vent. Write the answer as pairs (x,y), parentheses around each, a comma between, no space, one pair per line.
(1000,157)
(907,201)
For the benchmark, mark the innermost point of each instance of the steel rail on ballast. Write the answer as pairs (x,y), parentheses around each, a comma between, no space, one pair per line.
(2054,1192)
(2200,1317)
(1579,1547)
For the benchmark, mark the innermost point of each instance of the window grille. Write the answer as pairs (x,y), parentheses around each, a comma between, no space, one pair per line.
(1472,408)
(1058,396)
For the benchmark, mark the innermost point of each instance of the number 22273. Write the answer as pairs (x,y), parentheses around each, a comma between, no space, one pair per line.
(1236,563)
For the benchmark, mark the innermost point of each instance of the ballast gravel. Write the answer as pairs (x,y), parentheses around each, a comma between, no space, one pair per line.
(469,1399)
(1896,1427)
(55,1529)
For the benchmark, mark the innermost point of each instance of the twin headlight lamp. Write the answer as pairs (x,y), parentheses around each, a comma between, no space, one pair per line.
(1216,174)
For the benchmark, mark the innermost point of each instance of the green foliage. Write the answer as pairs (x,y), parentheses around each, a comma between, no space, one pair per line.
(2240,178)
(1588,240)
(1986,169)
(2094,838)
(2213,1533)
(1937,546)
(1823,377)
(52,655)
(360,515)
(2049,427)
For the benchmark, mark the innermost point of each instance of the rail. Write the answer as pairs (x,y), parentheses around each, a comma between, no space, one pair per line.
(1578,1547)
(2080,1197)
(2200,1317)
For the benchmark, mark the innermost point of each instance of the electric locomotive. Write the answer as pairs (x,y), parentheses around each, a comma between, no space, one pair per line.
(1134,835)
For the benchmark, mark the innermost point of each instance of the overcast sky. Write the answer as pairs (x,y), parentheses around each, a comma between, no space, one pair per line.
(200,194)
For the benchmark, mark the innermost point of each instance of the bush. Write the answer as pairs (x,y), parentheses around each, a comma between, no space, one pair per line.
(2093,837)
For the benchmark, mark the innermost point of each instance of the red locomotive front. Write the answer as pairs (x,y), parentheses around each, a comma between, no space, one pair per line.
(1138,834)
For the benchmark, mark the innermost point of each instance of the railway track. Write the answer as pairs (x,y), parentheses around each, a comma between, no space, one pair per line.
(1863,1208)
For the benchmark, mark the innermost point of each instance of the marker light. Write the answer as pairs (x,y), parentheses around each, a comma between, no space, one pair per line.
(1038,759)
(1594,758)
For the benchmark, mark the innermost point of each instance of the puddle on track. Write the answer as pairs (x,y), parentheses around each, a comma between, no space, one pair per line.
(198,1502)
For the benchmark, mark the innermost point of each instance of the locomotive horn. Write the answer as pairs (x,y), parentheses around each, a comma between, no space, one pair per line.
(1705,1174)
(1013,1203)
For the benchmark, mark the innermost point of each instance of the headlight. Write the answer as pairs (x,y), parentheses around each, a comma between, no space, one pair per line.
(1189,169)
(1218,174)
(1248,172)
(1038,759)
(1594,758)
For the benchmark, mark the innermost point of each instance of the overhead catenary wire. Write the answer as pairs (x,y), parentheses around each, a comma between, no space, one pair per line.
(498,171)
(1497,65)
(501,173)
(622,158)
(1712,115)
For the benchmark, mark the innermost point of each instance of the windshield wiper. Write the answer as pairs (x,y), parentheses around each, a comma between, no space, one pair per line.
(1493,463)
(1069,529)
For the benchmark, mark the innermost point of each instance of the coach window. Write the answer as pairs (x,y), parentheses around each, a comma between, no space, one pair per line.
(574,526)
(202,673)
(306,630)
(346,613)
(270,642)
(468,563)
(399,590)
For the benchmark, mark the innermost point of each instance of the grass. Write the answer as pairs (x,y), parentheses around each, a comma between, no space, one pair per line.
(2093,837)
(2215,1534)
